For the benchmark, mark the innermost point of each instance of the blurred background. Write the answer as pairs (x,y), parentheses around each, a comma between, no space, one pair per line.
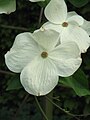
(15,102)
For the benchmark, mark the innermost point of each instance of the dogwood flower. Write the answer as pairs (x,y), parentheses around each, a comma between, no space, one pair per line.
(71,27)
(85,25)
(40,60)
(7,6)
(36,0)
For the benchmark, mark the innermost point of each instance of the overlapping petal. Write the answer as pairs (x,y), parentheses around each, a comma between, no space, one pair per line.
(22,52)
(46,38)
(39,77)
(56,11)
(70,14)
(56,27)
(66,50)
(76,18)
(66,58)
(86,26)
(77,34)
(73,32)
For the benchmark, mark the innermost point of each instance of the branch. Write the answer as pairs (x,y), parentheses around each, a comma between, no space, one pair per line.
(40,17)
(6,72)
(14,27)
(67,112)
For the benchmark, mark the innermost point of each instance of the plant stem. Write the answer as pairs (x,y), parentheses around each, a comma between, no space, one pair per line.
(6,72)
(40,17)
(41,109)
(49,106)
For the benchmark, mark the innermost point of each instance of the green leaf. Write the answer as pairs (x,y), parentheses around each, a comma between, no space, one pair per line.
(78,82)
(7,6)
(81,78)
(44,3)
(79,3)
(14,83)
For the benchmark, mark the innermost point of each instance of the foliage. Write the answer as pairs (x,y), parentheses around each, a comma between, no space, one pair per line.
(7,6)
(79,3)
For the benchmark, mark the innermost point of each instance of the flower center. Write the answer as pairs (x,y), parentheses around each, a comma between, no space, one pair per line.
(65,24)
(44,54)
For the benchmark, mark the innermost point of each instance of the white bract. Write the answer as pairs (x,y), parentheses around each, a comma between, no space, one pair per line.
(7,6)
(71,26)
(36,0)
(41,61)
(85,25)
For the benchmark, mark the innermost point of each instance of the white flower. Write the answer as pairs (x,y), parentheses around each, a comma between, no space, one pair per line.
(71,27)
(41,61)
(85,25)
(36,0)
(7,6)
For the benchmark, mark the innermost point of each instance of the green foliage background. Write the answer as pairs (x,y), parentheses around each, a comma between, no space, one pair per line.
(72,93)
